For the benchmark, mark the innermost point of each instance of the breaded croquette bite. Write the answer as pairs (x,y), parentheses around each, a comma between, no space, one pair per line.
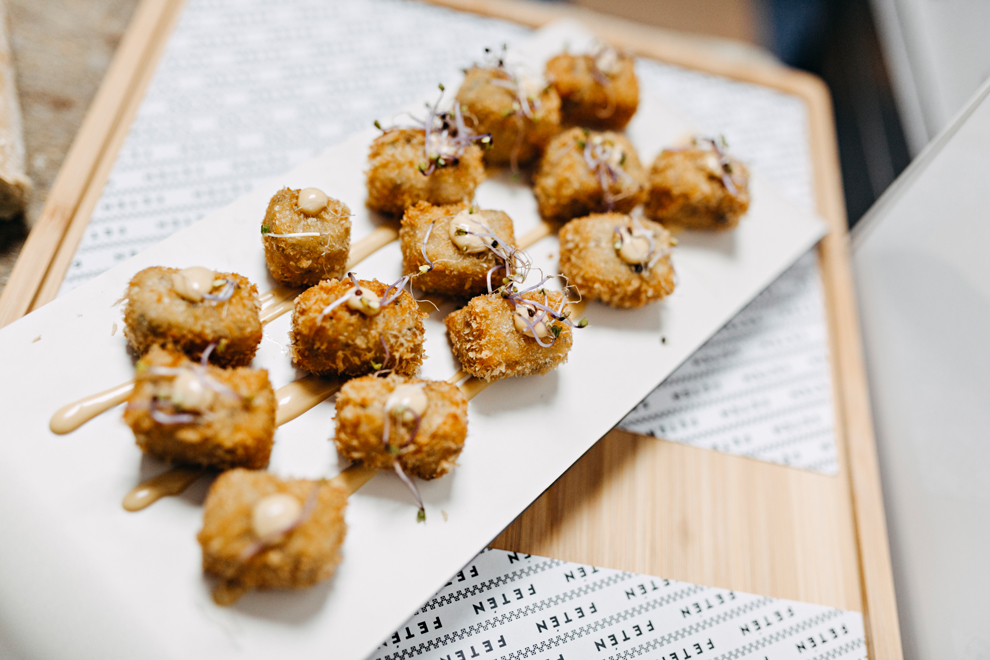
(699,187)
(438,162)
(353,327)
(597,90)
(186,412)
(187,310)
(522,113)
(454,249)
(618,259)
(263,532)
(586,172)
(496,337)
(306,236)
(420,424)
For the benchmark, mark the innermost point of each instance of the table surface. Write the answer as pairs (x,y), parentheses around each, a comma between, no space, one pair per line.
(62,49)
(675,480)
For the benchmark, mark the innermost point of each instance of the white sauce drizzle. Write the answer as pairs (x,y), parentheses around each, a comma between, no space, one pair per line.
(406,399)
(524,315)
(463,230)
(312,201)
(633,245)
(274,515)
(364,300)
(188,392)
(195,282)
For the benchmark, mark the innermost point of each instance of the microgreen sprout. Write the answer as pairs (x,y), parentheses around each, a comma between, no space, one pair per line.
(225,293)
(535,313)
(719,146)
(402,414)
(164,410)
(653,255)
(606,159)
(445,136)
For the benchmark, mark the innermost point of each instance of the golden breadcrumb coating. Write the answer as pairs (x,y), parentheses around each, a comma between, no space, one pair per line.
(305,260)
(687,190)
(395,181)
(156,315)
(567,187)
(347,342)
(307,554)
(589,260)
(233,431)
(484,338)
(589,97)
(517,139)
(455,273)
(439,438)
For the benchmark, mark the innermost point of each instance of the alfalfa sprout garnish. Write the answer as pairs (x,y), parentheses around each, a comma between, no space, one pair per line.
(538,319)
(606,159)
(190,394)
(445,136)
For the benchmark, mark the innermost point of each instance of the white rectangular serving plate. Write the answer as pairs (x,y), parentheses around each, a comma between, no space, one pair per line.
(80,577)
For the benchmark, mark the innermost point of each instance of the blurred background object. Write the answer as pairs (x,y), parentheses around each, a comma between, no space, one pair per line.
(15,187)
(898,70)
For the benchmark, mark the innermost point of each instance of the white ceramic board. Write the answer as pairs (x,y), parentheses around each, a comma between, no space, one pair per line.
(80,577)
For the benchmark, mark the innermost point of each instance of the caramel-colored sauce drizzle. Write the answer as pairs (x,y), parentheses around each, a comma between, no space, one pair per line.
(70,417)
(173,482)
(304,394)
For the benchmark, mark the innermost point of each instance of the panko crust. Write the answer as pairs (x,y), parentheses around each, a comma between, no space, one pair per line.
(155,315)
(395,181)
(585,101)
(686,190)
(455,273)
(308,554)
(305,260)
(589,261)
(566,187)
(234,432)
(438,441)
(515,137)
(484,338)
(347,342)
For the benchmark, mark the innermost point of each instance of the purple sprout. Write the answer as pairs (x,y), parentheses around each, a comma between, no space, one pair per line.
(540,312)
(445,136)
(600,158)
(225,293)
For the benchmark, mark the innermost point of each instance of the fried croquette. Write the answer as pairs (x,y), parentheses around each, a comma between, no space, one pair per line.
(520,113)
(306,241)
(185,413)
(263,532)
(613,258)
(165,307)
(455,271)
(697,188)
(425,429)
(485,337)
(597,90)
(352,337)
(586,172)
(396,178)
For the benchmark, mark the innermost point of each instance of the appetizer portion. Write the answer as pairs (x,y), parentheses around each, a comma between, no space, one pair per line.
(618,259)
(198,414)
(585,172)
(519,110)
(417,426)
(354,327)
(187,310)
(306,236)
(458,249)
(598,89)
(512,333)
(262,532)
(439,161)
(698,187)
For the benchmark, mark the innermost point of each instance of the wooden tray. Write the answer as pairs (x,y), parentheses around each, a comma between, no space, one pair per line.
(632,503)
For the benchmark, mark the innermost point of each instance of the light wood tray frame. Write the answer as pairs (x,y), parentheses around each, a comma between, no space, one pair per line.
(632,503)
